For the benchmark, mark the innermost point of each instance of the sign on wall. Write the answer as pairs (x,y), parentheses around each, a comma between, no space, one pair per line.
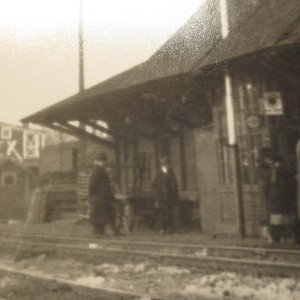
(273,104)
(31,145)
(9,148)
(253,122)
(19,144)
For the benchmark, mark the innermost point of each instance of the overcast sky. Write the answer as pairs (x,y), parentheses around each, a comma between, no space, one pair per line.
(39,45)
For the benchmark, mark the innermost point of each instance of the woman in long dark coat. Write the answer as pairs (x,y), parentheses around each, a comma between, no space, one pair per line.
(166,197)
(282,199)
(102,210)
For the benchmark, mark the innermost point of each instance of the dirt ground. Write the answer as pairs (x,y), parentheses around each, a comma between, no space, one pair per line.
(147,278)
(78,228)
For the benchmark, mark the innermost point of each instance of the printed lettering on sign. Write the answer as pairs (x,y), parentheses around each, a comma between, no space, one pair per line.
(12,151)
(19,143)
(9,149)
(31,145)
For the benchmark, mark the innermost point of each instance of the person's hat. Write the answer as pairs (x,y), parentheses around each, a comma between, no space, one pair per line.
(101,157)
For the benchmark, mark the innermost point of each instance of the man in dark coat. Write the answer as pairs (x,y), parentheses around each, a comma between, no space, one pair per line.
(166,196)
(102,210)
(264,169)
(282,198)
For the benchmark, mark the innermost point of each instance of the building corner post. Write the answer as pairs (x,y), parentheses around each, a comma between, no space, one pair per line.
(232,137)
(234,148)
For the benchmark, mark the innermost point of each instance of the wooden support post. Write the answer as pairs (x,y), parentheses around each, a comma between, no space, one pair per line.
(157,150)
(230,116)
(81,47)
(99,127)
(182,160)
(232,141)
(237,189)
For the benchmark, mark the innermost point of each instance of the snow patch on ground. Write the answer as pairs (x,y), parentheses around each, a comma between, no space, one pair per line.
(234,286)
(91,281)
(155,279)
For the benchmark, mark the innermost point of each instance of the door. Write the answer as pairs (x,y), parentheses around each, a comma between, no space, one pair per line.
(207,176)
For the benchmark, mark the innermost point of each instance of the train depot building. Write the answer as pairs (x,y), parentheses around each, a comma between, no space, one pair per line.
(64,168)
(174,104)
(19,167)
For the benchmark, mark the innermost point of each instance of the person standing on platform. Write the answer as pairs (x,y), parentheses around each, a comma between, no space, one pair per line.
(264,183)
(298,191)
(101,196)
(166,196)
(282,199)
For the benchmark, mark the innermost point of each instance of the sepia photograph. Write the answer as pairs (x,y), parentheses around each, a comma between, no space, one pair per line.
(150,150)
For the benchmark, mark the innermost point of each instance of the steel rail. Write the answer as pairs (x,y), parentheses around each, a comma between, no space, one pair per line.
(201,263)
(291,255)
(81,289)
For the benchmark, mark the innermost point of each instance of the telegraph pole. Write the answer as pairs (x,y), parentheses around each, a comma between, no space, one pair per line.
(81,47)
(232,138)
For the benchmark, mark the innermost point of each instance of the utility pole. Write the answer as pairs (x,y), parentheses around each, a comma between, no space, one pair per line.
(81,47)
(232,138)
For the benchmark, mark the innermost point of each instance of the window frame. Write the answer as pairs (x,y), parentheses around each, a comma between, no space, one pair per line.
(7,174)
(6,133)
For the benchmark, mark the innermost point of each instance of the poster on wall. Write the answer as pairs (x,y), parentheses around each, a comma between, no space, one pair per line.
(273,104)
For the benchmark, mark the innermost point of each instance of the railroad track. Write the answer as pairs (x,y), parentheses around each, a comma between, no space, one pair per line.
(242,252)
(63,289)
(264,261)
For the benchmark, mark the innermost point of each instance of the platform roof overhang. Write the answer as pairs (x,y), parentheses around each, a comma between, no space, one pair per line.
(273,25)
(146,91)
(143,104)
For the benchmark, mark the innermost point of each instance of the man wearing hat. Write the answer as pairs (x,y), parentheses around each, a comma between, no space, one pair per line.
(101,197)
(166,194)
(281,199)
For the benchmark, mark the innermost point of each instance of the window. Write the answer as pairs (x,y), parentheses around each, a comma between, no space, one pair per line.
(9,178)
(252,135)
(142,171)
(6,133)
